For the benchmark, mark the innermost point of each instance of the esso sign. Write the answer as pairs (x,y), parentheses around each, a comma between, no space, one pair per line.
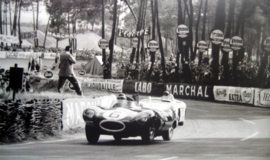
(81,72)
(202,46)
(217,36)
(48,74)
(153,46)
(103,43)
(266,44)
(225,46)
(236,43)
(182,31)
(134,42)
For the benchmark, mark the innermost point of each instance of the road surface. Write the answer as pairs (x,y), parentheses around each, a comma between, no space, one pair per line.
(212,131)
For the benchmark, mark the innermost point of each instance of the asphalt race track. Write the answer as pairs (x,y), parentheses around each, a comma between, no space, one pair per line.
(212,131)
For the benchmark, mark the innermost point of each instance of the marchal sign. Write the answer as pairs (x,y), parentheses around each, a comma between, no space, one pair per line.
(225,46)
(153,46)
(217,36)
(103,43)
(202,46)
(182,31)
(236,43)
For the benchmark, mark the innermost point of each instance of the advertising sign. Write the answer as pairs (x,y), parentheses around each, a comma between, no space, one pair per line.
(81,72)
(182,31)
(153,46)
(134,42)
(103,43)
(262,97)
(234,94)
(202,46)
(236,43)
(113,85)
(217,36)
(8,39)
(266,44)
(29,35)
(202,92)
(128,34)
(73,109)
(225,46)
(48,74)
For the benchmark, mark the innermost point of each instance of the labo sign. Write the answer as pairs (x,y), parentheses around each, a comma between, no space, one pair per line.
(143,87)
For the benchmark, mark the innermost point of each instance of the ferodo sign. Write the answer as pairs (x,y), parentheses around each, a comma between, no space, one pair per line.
(236,43)
(234,94)
(134,42)
(217,36)
(262,97)
(190,91)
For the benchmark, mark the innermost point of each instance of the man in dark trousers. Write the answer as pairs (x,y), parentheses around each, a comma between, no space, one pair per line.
(66,71)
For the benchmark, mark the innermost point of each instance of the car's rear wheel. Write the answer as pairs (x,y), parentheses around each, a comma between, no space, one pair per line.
(149,135)
(92,135)
(167,135)
(117,138)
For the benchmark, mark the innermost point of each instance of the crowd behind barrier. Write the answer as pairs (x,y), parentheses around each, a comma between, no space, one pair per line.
(246,74)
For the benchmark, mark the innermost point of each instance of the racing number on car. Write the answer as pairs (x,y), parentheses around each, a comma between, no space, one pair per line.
(114,115)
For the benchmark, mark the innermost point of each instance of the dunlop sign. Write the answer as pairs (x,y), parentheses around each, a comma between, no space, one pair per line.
(182,31)
(153,46)
(202,46)
(103,43)
(225,46)
(217,36)
(236,43)
(266,44)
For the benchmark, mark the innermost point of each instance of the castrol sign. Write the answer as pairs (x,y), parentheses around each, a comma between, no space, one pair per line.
(236,43)
(103,43)
(182,31)
(217,36)
(153,46)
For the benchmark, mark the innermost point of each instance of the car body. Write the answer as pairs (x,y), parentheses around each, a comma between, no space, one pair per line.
(126,118)
(164,103)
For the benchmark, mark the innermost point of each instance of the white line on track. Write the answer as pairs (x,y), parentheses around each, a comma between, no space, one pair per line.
(247,121)
(169,158)
(251,136)
(198,109)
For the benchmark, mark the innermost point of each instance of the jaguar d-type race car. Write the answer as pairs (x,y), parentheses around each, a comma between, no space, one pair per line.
(127,118)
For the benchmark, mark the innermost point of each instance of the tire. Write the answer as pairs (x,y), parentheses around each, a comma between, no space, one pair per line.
(91,134)
(149,135)
(167,135)
(117,138)
(180,123)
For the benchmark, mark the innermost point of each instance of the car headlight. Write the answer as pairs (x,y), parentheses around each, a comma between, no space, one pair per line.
(142,118)
(89,113)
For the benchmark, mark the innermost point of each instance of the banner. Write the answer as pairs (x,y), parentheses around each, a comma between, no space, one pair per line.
(73,109)
(20,55)
(59,35)
(201,92)
(262,97)
(2,54)
(234,94)
(49,55)
(128,34)
(29,35)
(148,88)
(8,39)
(113,85)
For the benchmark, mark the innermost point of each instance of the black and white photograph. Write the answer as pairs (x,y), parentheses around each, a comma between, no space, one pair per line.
(134,79)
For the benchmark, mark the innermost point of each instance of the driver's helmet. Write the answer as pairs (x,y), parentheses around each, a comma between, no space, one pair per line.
(166,93)
(167,96)
(121,96)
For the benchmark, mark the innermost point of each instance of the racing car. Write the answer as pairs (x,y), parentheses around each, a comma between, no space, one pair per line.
(127,118)
(166,102)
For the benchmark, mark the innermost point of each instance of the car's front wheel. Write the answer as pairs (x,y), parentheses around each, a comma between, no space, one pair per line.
(168,134)
(92,135)
(148,135)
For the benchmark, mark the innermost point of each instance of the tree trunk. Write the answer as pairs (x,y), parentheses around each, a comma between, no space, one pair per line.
(19,24)
(37,22)
(197,31)
(204,19)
